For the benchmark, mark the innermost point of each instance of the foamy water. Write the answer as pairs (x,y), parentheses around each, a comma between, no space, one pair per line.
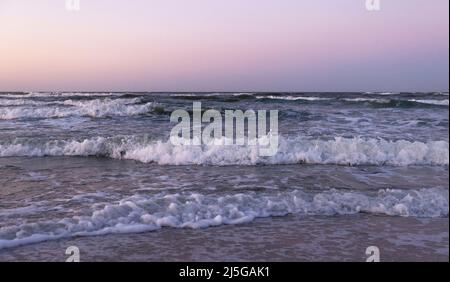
(84,164)
(340,151)
(23,109)
(140,213)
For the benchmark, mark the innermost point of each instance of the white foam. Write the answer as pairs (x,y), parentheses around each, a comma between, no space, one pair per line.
(293,98)
(209,94)
(59,109)
(374,100)
(386,93)
(57,94)
(341,151)
(140,213)
(432,102)
(21,102)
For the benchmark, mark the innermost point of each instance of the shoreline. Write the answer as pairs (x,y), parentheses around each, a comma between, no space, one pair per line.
(289,238)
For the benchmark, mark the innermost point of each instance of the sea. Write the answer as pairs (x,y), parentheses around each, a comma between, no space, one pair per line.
(96,170)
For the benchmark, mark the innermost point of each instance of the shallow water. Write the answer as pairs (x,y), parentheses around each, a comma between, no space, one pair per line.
(289,238)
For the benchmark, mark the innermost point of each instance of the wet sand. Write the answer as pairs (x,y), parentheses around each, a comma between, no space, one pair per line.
(291,238)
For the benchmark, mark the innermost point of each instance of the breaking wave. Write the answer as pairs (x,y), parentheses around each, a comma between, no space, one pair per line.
(340,151)
(58,94)
(59,109)
(373,100)
(141,213)
(293,98)
(432,102)
(396,103)
(376,102)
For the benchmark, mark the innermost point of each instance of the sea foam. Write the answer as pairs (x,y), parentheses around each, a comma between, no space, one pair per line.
(432,102)
(58,109)
(140,213)
(340,151)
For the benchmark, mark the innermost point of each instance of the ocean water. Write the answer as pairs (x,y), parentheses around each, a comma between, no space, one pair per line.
(84,166)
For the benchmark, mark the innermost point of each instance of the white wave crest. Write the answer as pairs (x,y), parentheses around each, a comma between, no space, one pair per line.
(293,98)
(57,94)
(59,109)
(21,102)
(385,93)
(432,102)
(373,100)
(140,213)
(210,94)
(341,151)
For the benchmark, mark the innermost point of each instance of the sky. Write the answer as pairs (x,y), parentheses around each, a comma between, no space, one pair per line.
(224,45)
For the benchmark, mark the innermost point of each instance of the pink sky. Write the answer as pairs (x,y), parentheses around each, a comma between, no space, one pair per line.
(226,45)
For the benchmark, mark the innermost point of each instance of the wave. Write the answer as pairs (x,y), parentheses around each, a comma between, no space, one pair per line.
(386,93)
(9,100)
(432,102)
(293,98)
(396,103)
(21,102)
(377,102)
(210,94)
(142,213)
(222,97)
(60,109)
(374,100)
(339,151)
(58,94)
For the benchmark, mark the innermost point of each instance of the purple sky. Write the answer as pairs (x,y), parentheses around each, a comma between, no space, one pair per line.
(224,45)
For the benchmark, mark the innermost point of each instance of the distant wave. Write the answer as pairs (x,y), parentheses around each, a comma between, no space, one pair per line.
(32,99)
(374,100)
(222,97)
(57,94)
(22,108)
(21,102)
(293,98)
(140,213)
(432,102)
(386,93)
(397,103)
(340,151)
(377,102)
(209,94)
